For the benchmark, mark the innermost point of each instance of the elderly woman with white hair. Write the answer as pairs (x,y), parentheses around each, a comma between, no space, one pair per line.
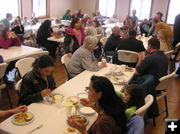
(84,59)
(90,29)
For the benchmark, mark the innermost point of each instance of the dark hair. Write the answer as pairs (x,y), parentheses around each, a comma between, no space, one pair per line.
(74,21)
(97,23)
(154,42)
(159,13)
(8,15)
(43,61)
(109,101)
(137,98)
(4,33)
(132,33)
(44,29)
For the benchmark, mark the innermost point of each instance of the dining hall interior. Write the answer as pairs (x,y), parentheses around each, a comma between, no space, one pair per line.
(89,66)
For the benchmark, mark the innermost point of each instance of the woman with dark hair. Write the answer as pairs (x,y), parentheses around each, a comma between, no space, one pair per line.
(7,38)
(43,33)
(39,82)
(111,109)
(17,26)
(75,36)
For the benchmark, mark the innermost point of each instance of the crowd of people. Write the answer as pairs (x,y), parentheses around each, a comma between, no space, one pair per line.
(115,109)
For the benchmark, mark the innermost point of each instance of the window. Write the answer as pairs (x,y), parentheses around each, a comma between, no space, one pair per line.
(107,7)
(173,11)
(142,7)
(39,8)
(9,8)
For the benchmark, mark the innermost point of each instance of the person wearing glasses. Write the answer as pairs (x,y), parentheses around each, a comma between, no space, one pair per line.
(102,98)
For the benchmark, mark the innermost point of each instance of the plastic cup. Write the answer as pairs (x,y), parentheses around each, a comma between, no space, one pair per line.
(103,60)
(58,100)
(69,107)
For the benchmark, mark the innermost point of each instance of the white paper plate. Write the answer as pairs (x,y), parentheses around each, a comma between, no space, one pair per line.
(22,123)
(86,111)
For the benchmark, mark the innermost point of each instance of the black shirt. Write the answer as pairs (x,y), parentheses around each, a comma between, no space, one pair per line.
(176,28)
(131,44)
(112,43)
(32,85)
(155,64)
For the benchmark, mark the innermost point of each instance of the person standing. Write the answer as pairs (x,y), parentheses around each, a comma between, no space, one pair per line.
(134,20)
(6,20)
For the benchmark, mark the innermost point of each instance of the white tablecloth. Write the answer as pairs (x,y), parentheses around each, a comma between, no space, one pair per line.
(52,117)
(60,40)
(111,25)
(15,53)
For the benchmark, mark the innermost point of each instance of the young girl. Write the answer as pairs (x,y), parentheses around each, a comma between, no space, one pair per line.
(133,98)
(39,82)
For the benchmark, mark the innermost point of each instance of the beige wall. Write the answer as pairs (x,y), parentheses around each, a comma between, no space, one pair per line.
(122,7)
(57,7)
(88,6)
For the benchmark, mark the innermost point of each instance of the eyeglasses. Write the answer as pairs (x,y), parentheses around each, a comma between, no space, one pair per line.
(88,89)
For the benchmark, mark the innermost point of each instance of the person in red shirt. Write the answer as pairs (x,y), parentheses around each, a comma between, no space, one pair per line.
(7,38)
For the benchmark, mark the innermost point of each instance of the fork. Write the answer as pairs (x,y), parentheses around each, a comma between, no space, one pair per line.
(38,127)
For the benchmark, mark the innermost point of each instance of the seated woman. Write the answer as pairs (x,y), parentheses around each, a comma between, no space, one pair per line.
(90,29)
(4,114)
(98,27)
(75,36)
(39,82)
(84,59)
(67,15)
(164,41)
(43,33)
(8,39)
(133,98)
(18,28)
(102,98)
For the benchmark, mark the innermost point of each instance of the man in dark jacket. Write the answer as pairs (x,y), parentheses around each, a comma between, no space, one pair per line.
(176,30)
(131,43)
(113,41)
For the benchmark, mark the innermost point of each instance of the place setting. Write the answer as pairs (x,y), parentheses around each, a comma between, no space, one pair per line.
(76,111)
(117,74)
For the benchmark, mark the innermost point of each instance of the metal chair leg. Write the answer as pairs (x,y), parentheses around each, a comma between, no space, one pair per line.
(154,121)
(166,106)
(9,98)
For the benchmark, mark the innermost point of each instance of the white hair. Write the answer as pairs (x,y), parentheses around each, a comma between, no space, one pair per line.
(89,40)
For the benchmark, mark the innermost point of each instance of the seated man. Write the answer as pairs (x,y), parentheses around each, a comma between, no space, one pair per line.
(113,42)
(148,71)
(156,63)
(84,59)
(131,43)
